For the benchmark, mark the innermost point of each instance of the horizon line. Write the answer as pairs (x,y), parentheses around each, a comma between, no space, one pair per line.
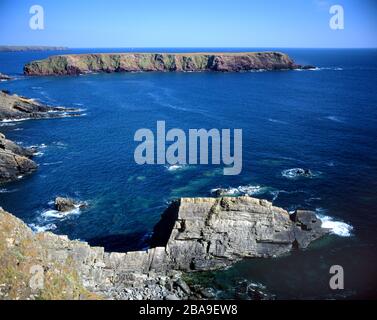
(182,47)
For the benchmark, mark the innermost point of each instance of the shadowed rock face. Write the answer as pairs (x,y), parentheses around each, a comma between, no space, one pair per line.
(132,62)
(14,160)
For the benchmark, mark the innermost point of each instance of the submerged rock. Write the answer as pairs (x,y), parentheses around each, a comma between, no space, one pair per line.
(74,64)
(14,160)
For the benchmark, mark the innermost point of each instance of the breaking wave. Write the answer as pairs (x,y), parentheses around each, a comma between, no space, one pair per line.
(339,228)
(249,190)
(296,173)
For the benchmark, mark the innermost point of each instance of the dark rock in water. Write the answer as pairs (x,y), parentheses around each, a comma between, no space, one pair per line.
(4,77)
(14,107)
(14,160)
(306,221)
(67,204)
(245,290)
(74,64)
(308,67)
(220,192)
(298,173)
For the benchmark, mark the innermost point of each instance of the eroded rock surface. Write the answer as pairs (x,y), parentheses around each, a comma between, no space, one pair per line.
(73,64)
(210,233)
(14,160)
(193,234)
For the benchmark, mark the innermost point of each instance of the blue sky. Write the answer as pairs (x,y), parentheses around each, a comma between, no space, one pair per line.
(192,23)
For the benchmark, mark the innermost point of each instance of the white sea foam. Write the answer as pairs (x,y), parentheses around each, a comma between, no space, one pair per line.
(321,69)
(277,121)
(339,228)
(14,120)
(335,119)
(42,228)
(39,146)
(7,124)
(60,144)
(38,154)
(55,214)
(51,163)
(240,190)
(296,173)
(4,190)
(175,167)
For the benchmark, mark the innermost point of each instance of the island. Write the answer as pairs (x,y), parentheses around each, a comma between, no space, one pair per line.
(30,48)
(74,64)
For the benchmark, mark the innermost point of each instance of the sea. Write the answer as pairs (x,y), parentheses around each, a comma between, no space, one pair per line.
(323,120)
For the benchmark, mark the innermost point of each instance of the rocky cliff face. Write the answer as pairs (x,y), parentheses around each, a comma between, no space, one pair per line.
(132,62)
(193,234)
(14,160)
(210,233)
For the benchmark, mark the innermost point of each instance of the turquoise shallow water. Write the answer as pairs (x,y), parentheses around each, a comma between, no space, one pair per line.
(323,120)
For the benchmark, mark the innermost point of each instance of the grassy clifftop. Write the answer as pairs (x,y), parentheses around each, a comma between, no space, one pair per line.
(133,62)
(23,254)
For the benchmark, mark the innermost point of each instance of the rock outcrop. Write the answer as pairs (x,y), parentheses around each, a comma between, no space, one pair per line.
(74,64)
(66,204)
(14,107)
(4,77)
(48,266)
(210,233)
(193,234)
(14,160)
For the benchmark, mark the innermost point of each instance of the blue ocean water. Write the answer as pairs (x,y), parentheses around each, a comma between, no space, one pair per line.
(324,120)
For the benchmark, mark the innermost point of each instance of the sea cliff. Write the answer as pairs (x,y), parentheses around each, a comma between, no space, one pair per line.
(74,64)
(193,234)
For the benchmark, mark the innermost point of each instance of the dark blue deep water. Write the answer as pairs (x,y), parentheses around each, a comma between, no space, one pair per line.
(323,120)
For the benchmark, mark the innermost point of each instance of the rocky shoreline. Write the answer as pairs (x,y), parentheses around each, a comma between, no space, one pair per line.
(15,107)
(74,64)
(15,161)
(194,234)
(4,77)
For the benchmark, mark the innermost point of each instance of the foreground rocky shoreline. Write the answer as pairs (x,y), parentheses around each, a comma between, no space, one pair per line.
(194,234)
(74,64)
